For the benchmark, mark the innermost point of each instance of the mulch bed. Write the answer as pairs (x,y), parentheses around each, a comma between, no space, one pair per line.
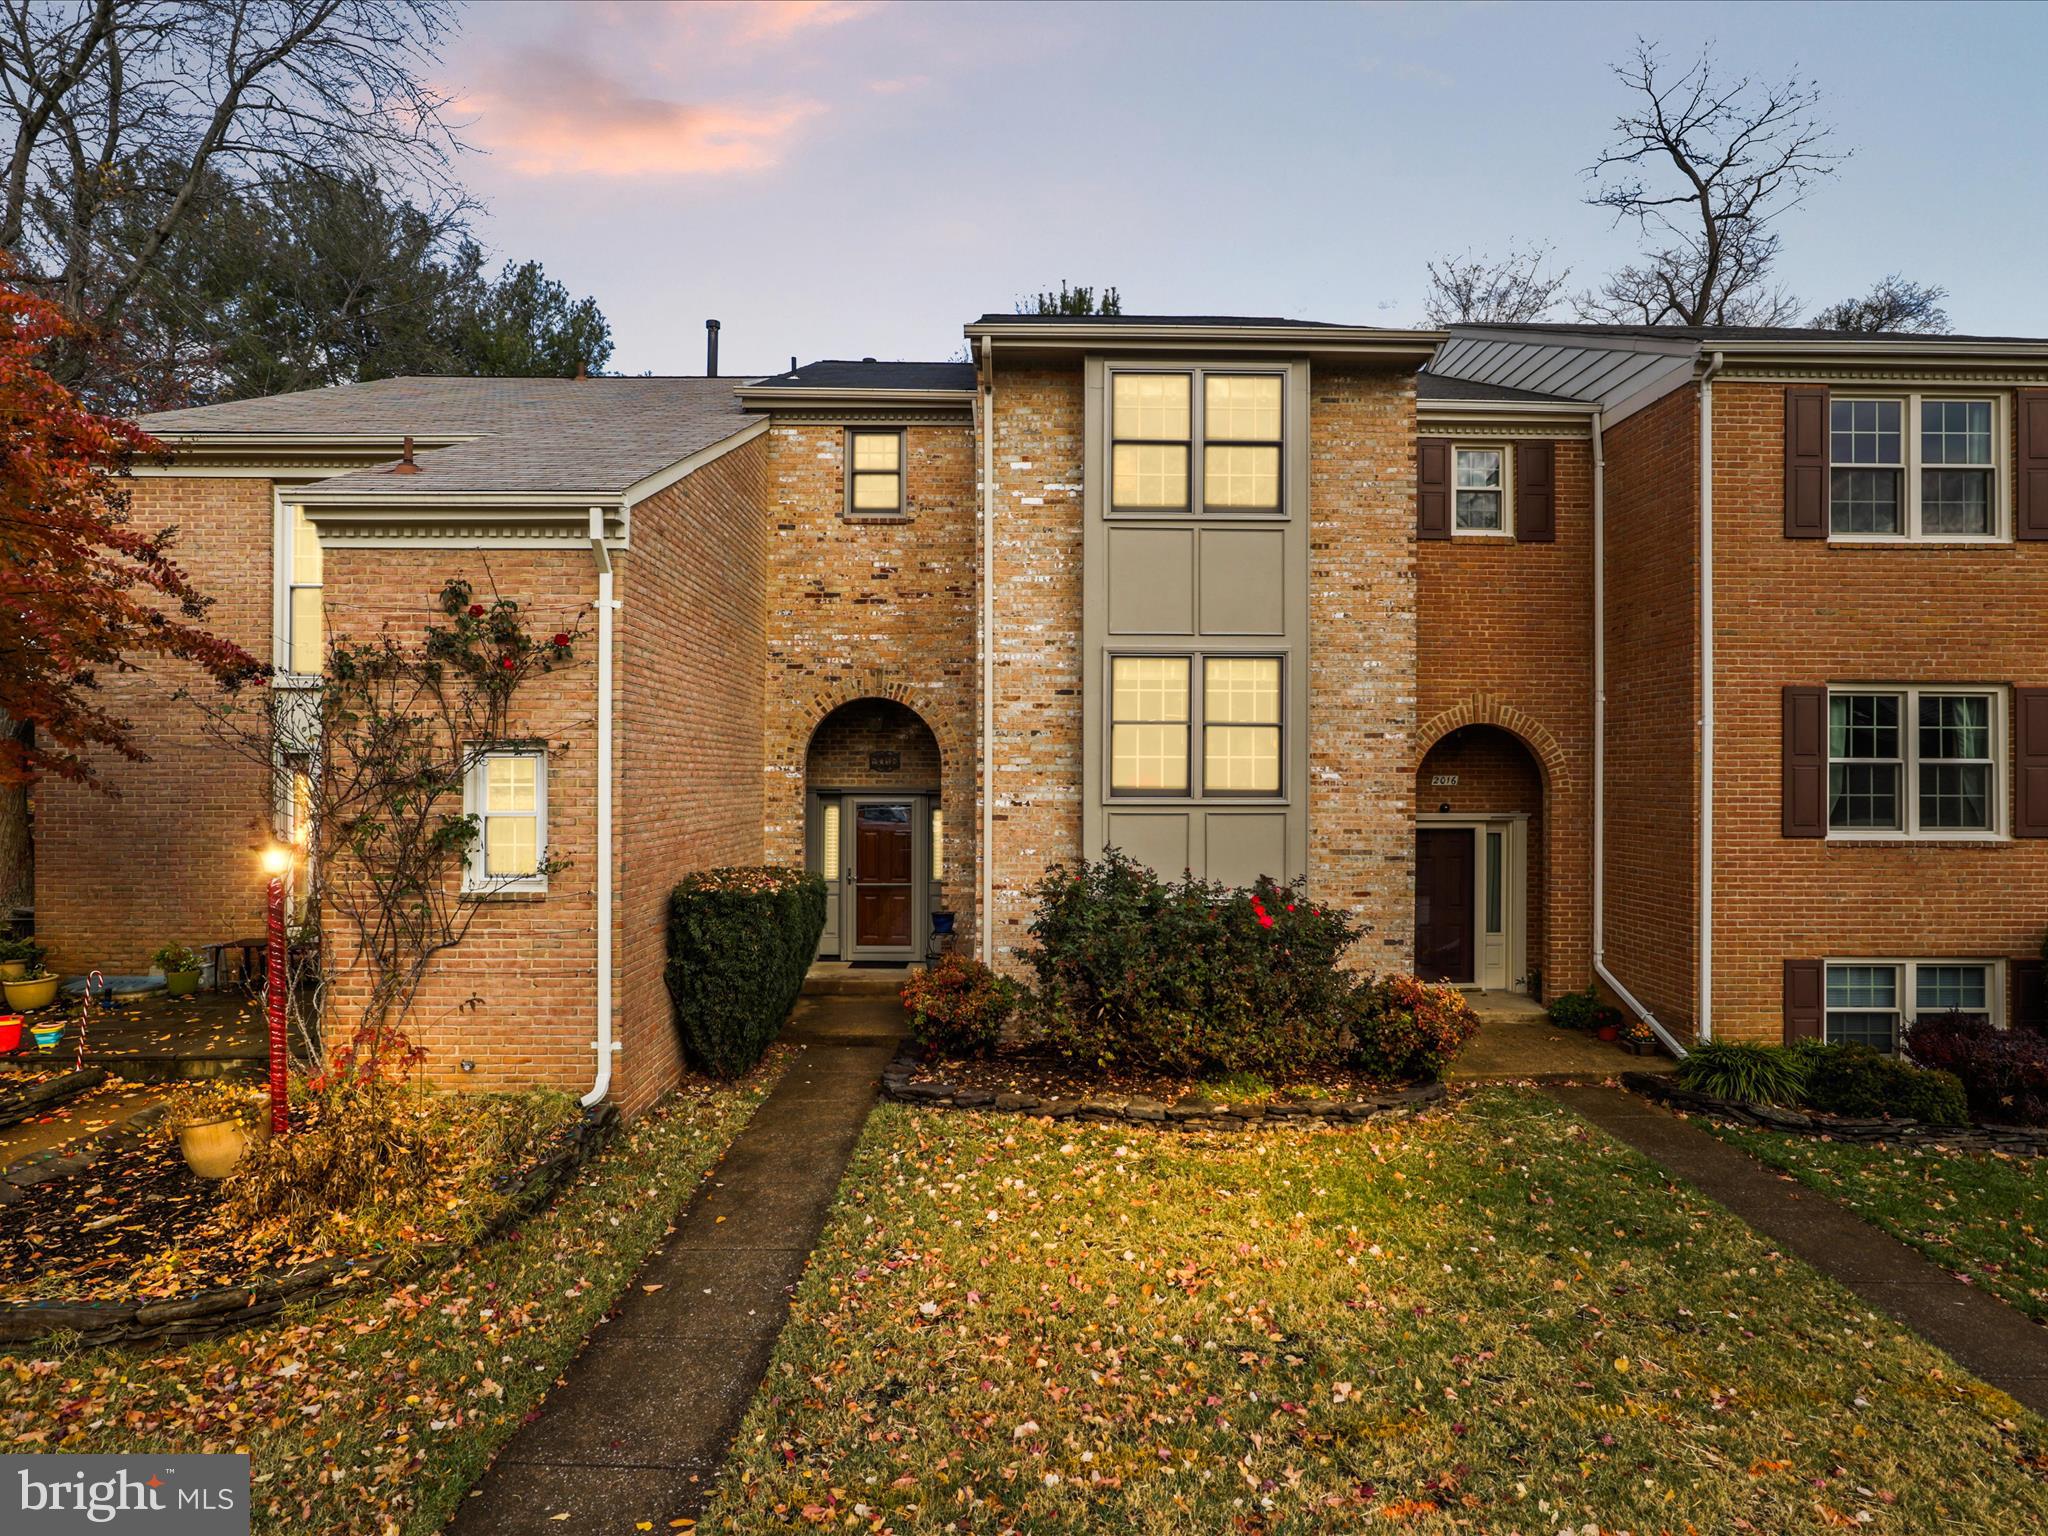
(1046,1077)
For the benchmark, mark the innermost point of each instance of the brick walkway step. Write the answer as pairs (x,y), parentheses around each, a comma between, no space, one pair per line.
(1988,1338)
(637,1428)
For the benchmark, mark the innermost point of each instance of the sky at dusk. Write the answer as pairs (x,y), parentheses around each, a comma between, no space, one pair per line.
(833,178)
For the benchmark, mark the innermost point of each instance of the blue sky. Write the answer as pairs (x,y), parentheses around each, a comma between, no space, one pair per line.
(834,178)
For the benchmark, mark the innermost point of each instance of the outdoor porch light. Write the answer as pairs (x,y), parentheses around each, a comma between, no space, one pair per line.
(276,859)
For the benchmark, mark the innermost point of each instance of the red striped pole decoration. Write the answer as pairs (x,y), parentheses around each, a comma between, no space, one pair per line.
(276,994)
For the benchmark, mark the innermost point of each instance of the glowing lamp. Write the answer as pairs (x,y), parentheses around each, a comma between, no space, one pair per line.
(276,859)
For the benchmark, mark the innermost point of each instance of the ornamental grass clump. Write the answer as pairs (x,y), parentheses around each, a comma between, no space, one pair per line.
(1187,977)
(1747,1074)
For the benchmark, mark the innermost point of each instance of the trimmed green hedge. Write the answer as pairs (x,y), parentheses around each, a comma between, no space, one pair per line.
(739,942)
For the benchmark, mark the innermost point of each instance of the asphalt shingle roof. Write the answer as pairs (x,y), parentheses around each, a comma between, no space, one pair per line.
(843,373)
(600,435)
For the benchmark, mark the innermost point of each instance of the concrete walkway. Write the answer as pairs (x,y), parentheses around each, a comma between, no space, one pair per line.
(1518,1043)
(1991,1340)
(642,1418)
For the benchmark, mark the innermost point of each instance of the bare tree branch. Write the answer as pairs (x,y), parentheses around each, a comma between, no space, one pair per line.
(1468,289)
(1893,304)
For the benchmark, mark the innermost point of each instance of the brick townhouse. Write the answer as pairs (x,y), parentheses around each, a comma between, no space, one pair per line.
(1709,664)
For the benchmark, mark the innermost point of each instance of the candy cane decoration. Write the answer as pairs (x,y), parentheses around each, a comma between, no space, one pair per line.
(93,981)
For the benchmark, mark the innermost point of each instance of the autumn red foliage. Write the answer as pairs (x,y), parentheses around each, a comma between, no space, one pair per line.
(82,592)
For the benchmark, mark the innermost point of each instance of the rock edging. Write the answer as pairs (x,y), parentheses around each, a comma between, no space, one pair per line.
(19,1104)
(2021,1140)
(224,1309)
(1190,1114)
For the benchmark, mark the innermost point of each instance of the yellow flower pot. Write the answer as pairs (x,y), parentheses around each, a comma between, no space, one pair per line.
(31,993)
(212,1148)
(13,970)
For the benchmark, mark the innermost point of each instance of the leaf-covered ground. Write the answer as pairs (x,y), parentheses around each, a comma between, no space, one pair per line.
(1982,1216)
(377,1414)
(1490,1319)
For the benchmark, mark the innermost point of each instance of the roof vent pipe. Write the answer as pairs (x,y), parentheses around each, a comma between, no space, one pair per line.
(405,465)
(710,349)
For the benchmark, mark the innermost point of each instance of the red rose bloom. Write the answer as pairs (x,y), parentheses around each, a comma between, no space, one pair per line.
(1265,921)
(507,663)
(561,642)
(476,610)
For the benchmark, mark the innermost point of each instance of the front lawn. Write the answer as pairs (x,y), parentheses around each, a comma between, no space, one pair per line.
(1491,1318)
(1981,1215)
(376,1415)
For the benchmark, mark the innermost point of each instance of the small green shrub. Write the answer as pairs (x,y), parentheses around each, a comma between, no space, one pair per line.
(739,942)
(1187,976)
(1574,1010)
(958,1007)
(1405,1030)
(1748,1074)
(12,949)
(175,959)
(1858,1081)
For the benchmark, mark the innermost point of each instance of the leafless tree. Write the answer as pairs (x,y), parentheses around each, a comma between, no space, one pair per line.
(1477,290)
(1704,166)
(1893,304)
(122,110)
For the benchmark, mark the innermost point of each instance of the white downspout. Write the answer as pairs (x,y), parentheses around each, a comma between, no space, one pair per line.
(988,662)
(607,1048)
(1600,743)
(1705,1009)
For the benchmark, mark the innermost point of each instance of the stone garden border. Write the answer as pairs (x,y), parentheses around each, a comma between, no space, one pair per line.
(19,1104)
(2021,1140)
(1188,1115)
(224,1309)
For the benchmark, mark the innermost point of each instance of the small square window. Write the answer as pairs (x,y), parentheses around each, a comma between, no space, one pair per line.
(875,476)
(1481,490)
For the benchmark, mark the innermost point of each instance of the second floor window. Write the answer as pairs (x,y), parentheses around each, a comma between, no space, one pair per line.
(305,647)
(1913,467)
(1481,476)
(875,476)
(1155,420)
(1914,762)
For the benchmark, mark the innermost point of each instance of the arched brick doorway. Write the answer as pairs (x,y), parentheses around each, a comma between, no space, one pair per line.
(874,827)
(1480,861)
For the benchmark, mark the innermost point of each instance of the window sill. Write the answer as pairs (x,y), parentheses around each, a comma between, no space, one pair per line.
(1906,541)
(516,894)
(1489,536)
(1923,840)
(876,517)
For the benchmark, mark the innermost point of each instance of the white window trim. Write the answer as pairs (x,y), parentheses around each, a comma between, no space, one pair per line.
(1506,530)
(1994,986)
(1197,375)
(1909,771)
(1910,467)
(475,881)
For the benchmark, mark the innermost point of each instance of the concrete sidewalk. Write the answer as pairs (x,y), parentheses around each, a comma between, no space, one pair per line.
(636,1429)
(1991,1340)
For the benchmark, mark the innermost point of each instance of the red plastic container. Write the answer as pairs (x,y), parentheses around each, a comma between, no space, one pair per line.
(10,1032)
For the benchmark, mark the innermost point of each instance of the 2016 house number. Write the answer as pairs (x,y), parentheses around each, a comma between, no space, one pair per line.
(1442,780)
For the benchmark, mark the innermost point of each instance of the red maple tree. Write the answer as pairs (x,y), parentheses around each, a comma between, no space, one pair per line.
(81,591)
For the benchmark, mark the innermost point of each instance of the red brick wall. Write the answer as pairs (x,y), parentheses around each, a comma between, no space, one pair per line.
(687,728)
(172,854)
(1363,655)
(1036,758)
(871,608)
(1652,626)
(517,997)
(1497,776)
(1505,634)
(1807,611)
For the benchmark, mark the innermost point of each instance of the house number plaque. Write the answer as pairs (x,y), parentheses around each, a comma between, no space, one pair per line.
(1443,780)
(884,762)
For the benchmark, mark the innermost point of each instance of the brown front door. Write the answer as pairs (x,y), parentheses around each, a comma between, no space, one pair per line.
(1444,947)
(882,870)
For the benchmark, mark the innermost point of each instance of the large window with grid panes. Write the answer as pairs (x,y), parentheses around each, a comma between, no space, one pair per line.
(1204,440)
(1910,466)
(1874,1002)
(1156,718)
(1916,762)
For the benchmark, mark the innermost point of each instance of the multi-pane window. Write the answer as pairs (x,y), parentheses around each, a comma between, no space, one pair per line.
(1873,1002)
(1480,487)
(1913,761)
(1241,725)
(1148,732)
(1241,442)
(1913,466)
(304,651)
(507,794)
(1151,421)
(875,480)
(1155,420)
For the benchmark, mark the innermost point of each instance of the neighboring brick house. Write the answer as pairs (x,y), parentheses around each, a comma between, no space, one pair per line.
(1709,666)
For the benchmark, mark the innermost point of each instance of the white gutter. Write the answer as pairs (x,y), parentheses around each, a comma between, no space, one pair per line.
(988,665)
(607,1048)
(1704,1027)
(1600,744)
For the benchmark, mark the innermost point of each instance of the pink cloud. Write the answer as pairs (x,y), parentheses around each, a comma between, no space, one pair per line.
(772,20)
(550,113)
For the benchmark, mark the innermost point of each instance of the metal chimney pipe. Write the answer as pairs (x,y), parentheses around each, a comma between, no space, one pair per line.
(710,349)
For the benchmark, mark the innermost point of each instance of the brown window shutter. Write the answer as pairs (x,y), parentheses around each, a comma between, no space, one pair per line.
(1805,1000)
(1432,488)
(2030,762)
(1806,463)
(1536,493)
(1804,808)
(2030,473)
(2029,1004)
